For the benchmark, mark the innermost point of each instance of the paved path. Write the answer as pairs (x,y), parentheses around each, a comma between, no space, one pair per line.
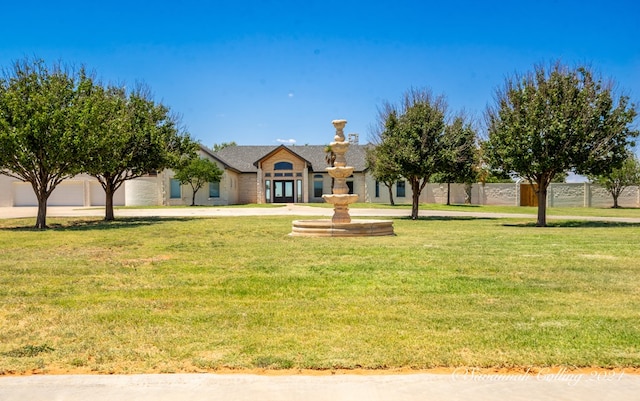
(286,210)
(230,387)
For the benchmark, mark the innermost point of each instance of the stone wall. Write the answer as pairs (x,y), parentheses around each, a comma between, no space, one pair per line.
(245,184)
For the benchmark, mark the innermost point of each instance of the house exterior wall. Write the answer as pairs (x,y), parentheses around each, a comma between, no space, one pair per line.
(360,186)
(246,187)
(145,191)
(326,186)
(6,194)
(267,172)
(80,190)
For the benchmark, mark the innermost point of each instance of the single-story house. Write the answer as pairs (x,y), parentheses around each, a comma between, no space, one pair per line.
(252,174)
(293,174)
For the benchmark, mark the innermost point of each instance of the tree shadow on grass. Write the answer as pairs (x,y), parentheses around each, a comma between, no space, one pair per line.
(92,225)
(445,218)
(578,224)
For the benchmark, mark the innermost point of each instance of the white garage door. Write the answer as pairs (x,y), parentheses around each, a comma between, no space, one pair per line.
(65,194)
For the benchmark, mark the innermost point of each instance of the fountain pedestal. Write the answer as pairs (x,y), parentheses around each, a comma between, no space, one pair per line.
(341,224)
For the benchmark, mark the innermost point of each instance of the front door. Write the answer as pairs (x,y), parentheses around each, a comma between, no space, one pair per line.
(283,192)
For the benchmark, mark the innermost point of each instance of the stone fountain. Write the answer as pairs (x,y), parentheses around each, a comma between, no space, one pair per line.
(341,224)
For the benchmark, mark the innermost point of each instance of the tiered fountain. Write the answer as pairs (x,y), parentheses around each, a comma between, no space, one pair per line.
(341,224)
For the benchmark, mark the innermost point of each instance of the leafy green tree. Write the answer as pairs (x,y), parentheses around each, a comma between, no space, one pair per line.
(40,137)
(196,172)
(412,139)
(219,146)
(128,136)
(382,170)
(618,179)
(330,159)
(458,154)
(379,164)
(554,120)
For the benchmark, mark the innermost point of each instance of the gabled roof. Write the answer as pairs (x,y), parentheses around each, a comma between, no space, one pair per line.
(245,158)
(257,162)
(211,154)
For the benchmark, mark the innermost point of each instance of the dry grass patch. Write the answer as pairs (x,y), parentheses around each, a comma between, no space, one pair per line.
(169,295)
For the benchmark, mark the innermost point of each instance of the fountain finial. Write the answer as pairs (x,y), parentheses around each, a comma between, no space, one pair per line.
(339,124)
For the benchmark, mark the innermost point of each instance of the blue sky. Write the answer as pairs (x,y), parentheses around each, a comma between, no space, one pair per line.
(264,72)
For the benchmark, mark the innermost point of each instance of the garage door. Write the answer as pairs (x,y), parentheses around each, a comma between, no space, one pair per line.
(65,194)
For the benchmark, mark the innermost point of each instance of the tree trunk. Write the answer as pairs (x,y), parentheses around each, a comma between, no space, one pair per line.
(108,204)
(390,194)
(193,198)
(41,220)
(415,195)
(542,206)
(615,201)
(448,193)
(468,189)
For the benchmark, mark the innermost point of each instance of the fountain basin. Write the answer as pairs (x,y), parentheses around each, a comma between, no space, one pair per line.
(355,228)
(340,199)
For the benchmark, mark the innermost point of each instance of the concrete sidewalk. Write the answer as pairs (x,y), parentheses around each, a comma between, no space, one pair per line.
(462,385)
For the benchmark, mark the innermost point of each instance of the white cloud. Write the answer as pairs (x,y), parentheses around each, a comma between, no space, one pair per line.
(286,141)
(291,94)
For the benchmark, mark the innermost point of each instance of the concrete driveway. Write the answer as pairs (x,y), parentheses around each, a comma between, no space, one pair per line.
(460,385)
(285,210)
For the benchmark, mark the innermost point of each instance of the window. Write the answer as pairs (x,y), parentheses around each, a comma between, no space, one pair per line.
(299,190)
(214,189)
(174,189)
(267,174)
(267,191)
(350,185)
(377,189)
(283,166)
(400,189)
(317,188)
(288,174)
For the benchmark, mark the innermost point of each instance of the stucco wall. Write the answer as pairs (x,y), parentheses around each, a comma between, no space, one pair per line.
(145,191)
(80,190)
(6,195)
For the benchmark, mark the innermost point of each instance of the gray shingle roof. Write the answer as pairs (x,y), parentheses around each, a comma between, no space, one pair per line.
(242,158)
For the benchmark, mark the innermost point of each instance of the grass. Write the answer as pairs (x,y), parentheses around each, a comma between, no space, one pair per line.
(551,211)
(181,295)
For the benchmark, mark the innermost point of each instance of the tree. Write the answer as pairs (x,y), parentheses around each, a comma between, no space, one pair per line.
(219,146)
(381,167)
(330,158)
(40,139)
(458,153)
(382,170)
(196,172)
(128,136)
(555,120)
(412,139)
(620,178)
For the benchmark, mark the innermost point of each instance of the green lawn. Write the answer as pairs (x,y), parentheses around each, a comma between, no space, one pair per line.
(551,211)
(171,295)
